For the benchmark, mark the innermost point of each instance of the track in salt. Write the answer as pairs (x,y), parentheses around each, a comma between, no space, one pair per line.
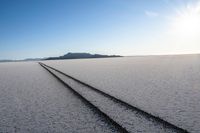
(118,127)
(125,115)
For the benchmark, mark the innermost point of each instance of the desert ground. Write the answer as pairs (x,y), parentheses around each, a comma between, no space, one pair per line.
(126,94)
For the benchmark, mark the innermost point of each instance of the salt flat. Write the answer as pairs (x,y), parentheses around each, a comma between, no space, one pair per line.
(32,100)
(132,119)
(165,86)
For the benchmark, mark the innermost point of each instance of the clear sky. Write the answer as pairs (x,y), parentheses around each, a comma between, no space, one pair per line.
(43,28)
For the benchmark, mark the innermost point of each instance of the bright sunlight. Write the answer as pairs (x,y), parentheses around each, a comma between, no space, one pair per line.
(186,23)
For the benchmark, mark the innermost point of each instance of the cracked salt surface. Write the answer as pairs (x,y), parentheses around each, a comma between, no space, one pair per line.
(34,101)
(166,86)
(132,120)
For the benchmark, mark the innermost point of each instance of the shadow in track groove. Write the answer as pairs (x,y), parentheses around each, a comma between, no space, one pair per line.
(144,113)
(96,109)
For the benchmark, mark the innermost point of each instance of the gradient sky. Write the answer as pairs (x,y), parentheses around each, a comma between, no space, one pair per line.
(43,28)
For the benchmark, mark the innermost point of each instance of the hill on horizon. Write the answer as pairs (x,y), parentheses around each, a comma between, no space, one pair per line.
(81,56)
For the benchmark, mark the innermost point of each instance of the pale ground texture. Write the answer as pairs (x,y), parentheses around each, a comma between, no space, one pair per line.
(131,119)
(32,100)
(165,86)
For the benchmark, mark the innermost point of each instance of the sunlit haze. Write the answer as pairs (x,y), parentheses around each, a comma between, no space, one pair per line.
(44,28)
(185,27)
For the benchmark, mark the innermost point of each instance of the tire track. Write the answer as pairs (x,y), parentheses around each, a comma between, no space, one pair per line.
(121,105)
(96,109)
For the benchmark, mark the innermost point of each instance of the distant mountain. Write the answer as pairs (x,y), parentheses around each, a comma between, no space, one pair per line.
(29,59)
(6,60)
(66,56)
(81,56)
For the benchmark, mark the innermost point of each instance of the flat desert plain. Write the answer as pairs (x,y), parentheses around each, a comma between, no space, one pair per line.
(167,87)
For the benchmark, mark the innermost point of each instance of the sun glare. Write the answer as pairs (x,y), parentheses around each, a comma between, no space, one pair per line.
(186,23)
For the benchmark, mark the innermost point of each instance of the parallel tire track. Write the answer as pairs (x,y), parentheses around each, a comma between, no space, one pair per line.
(110,120)
(142,112)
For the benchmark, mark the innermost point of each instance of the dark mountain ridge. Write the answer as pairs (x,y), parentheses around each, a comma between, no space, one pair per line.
(81,56)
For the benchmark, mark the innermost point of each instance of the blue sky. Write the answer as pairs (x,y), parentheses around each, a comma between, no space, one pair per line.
(43,28)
